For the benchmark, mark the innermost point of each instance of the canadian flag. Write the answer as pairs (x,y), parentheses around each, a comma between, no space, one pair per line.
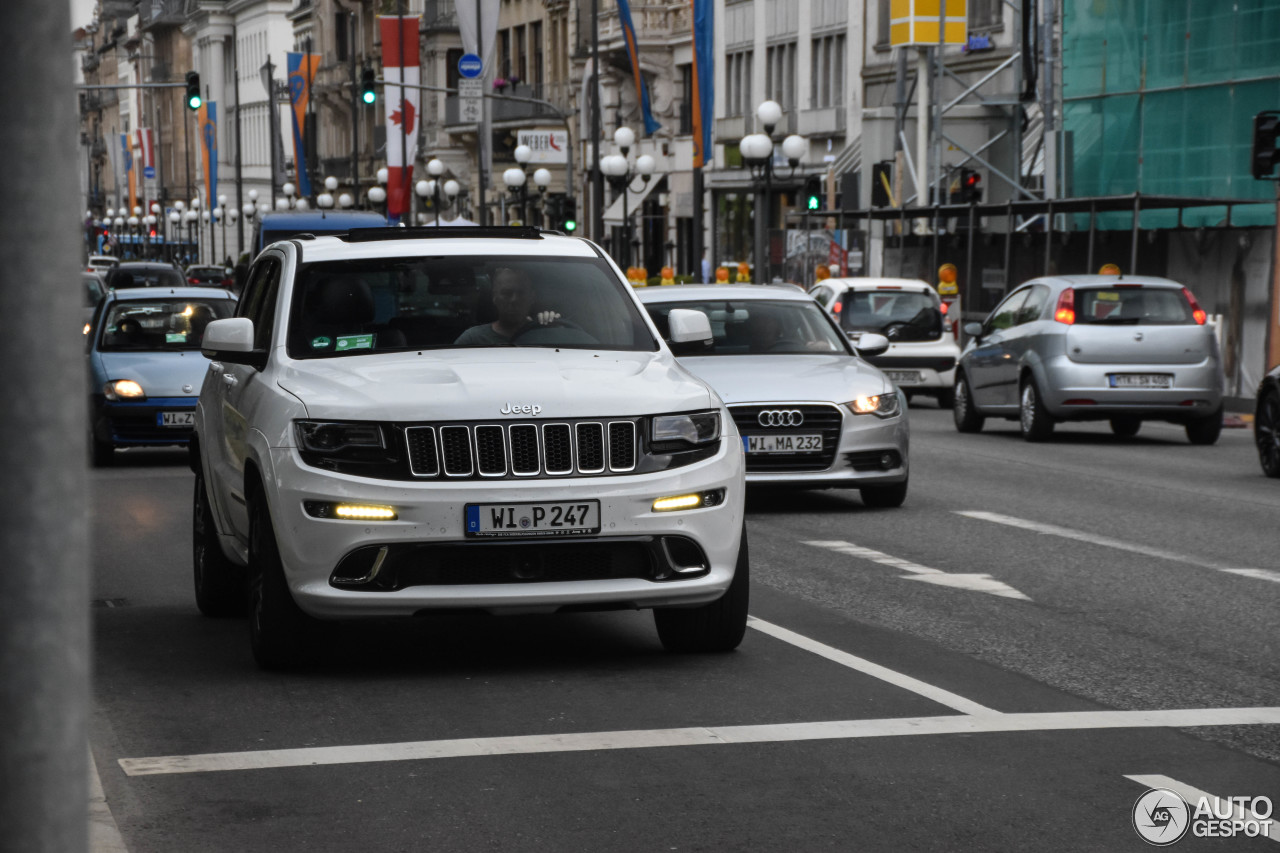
(400,65)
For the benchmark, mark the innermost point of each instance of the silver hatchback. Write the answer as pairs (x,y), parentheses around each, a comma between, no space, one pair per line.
(1093,347)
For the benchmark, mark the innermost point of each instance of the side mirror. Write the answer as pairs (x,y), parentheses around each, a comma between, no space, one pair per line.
(973,330)
(231,340)
(688,326)
(871,345)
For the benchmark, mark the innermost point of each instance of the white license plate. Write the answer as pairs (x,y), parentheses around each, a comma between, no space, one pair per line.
(576,518)
(1140,380)
(903,377)
(782,443)
(176,419)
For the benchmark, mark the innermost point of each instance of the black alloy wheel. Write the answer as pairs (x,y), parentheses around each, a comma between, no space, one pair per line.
(219,583)
(280,634)
(1266,432)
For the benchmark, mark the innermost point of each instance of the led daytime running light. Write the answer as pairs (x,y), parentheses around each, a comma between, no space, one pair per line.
(677,502)
(364,513)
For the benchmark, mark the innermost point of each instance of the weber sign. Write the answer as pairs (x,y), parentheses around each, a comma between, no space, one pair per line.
(548,146)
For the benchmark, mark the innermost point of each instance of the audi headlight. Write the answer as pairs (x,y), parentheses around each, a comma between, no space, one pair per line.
(684,432)
(334,436)
(880,405)
(123,389)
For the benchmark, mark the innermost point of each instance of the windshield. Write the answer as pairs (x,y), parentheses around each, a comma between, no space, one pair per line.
(160,325)
(122,278)
(756,326)
(1133,306)
(903,315)
(358,307)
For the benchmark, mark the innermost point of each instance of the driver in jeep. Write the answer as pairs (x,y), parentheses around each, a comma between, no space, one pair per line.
(513,297)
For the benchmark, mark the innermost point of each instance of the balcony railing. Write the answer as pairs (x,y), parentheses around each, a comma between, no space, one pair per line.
(156,13)
(440,15)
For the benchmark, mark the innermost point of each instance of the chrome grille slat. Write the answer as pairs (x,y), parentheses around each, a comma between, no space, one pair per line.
(622,446)
(424,458)
(590,448)
(524,449)
(491,450)
(456,443)
(557,449)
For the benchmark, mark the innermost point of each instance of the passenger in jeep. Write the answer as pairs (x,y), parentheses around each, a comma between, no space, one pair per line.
(513,297)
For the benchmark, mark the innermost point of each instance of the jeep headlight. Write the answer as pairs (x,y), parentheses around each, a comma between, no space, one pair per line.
(334,436)
(684,432)
(881,405)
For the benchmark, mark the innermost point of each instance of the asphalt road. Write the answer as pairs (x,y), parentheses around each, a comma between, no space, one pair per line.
(1006,662)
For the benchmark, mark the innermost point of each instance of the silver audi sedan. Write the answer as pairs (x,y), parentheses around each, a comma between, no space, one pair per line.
(811,411)
(1093,347)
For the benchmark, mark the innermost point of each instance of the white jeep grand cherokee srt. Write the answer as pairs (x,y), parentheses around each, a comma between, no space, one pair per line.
(406,420)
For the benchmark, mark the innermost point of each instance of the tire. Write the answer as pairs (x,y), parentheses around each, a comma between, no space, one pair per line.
(1036,423)
(102,454)
(280,634)
(966,415)
(1126,426)
(1205,430)
(1266,433)
(946,398)
(219,583)
(715,627)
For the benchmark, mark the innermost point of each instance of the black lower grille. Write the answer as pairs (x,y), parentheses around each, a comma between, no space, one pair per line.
(815,419)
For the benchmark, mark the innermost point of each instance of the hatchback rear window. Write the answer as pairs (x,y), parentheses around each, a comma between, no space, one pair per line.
(1133,306)
(911,314)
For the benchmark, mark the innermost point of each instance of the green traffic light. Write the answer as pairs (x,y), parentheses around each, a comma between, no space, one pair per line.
(369,96)
(194,102)
(570,225)
(813,203)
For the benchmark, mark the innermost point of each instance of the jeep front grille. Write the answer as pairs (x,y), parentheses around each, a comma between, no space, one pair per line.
(525,449)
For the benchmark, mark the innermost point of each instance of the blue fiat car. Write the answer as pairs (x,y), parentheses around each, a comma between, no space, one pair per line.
(145,366)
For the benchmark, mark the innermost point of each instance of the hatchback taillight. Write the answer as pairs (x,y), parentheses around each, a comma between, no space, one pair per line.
(1066,310)
(193,281)
(1196,311)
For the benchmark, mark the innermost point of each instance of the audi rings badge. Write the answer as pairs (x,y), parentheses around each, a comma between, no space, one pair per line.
(780,418)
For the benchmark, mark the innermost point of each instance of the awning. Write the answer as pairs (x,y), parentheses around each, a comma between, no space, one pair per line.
(613,215)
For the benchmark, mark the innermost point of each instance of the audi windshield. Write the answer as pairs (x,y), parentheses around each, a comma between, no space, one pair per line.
(759,326)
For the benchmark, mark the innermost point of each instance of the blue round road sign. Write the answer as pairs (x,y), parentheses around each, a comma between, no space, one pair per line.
(470,66)
(149,172)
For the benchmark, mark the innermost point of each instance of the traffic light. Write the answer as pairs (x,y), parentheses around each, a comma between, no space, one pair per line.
(966,188)
(368,92)
(813,192)
(1266,135)
(569,215)
(194,100)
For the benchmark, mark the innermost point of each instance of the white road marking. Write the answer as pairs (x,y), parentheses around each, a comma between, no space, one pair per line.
(1107,542)
(1193,795)
(875,670)
(104,835)
(961,724)
(971,582)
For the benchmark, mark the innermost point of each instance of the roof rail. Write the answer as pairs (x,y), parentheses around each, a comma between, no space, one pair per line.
(371,235)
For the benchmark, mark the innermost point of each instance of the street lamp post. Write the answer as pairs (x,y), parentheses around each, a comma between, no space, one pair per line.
(174,219)
(424,190)
(222,218)
(377,194)
(618,170)
(757,153)
(436,169)
(542,180)
(451,190)
(515,179)
(523,155)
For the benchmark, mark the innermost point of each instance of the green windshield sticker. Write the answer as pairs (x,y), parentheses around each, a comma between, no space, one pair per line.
(320,342)
(1107,296)
(175,338)
(348,342)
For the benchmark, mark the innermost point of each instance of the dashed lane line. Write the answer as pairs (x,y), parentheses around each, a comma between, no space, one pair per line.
(1107,542)
(960,724)
(972,582)
(1194,795)
(897,679)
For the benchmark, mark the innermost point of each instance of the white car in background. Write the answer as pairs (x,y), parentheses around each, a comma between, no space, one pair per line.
(922,352)
(811,411)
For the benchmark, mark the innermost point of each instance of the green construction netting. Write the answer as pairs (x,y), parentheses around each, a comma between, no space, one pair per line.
(1159,98)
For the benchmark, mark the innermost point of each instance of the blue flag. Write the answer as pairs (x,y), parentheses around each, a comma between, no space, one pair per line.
(703,80)
(642,90)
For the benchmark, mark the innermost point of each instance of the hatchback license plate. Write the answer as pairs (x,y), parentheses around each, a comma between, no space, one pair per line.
(176,419)
(569,518)
(1140,380)
(903,377)
(782,443)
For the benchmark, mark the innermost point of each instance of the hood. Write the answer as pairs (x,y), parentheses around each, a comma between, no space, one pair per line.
(766,378)
(161,374)
(477,384)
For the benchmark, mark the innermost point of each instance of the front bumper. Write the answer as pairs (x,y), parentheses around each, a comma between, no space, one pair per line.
(1078,391)
(865,444)
(138,424)
(432,514)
